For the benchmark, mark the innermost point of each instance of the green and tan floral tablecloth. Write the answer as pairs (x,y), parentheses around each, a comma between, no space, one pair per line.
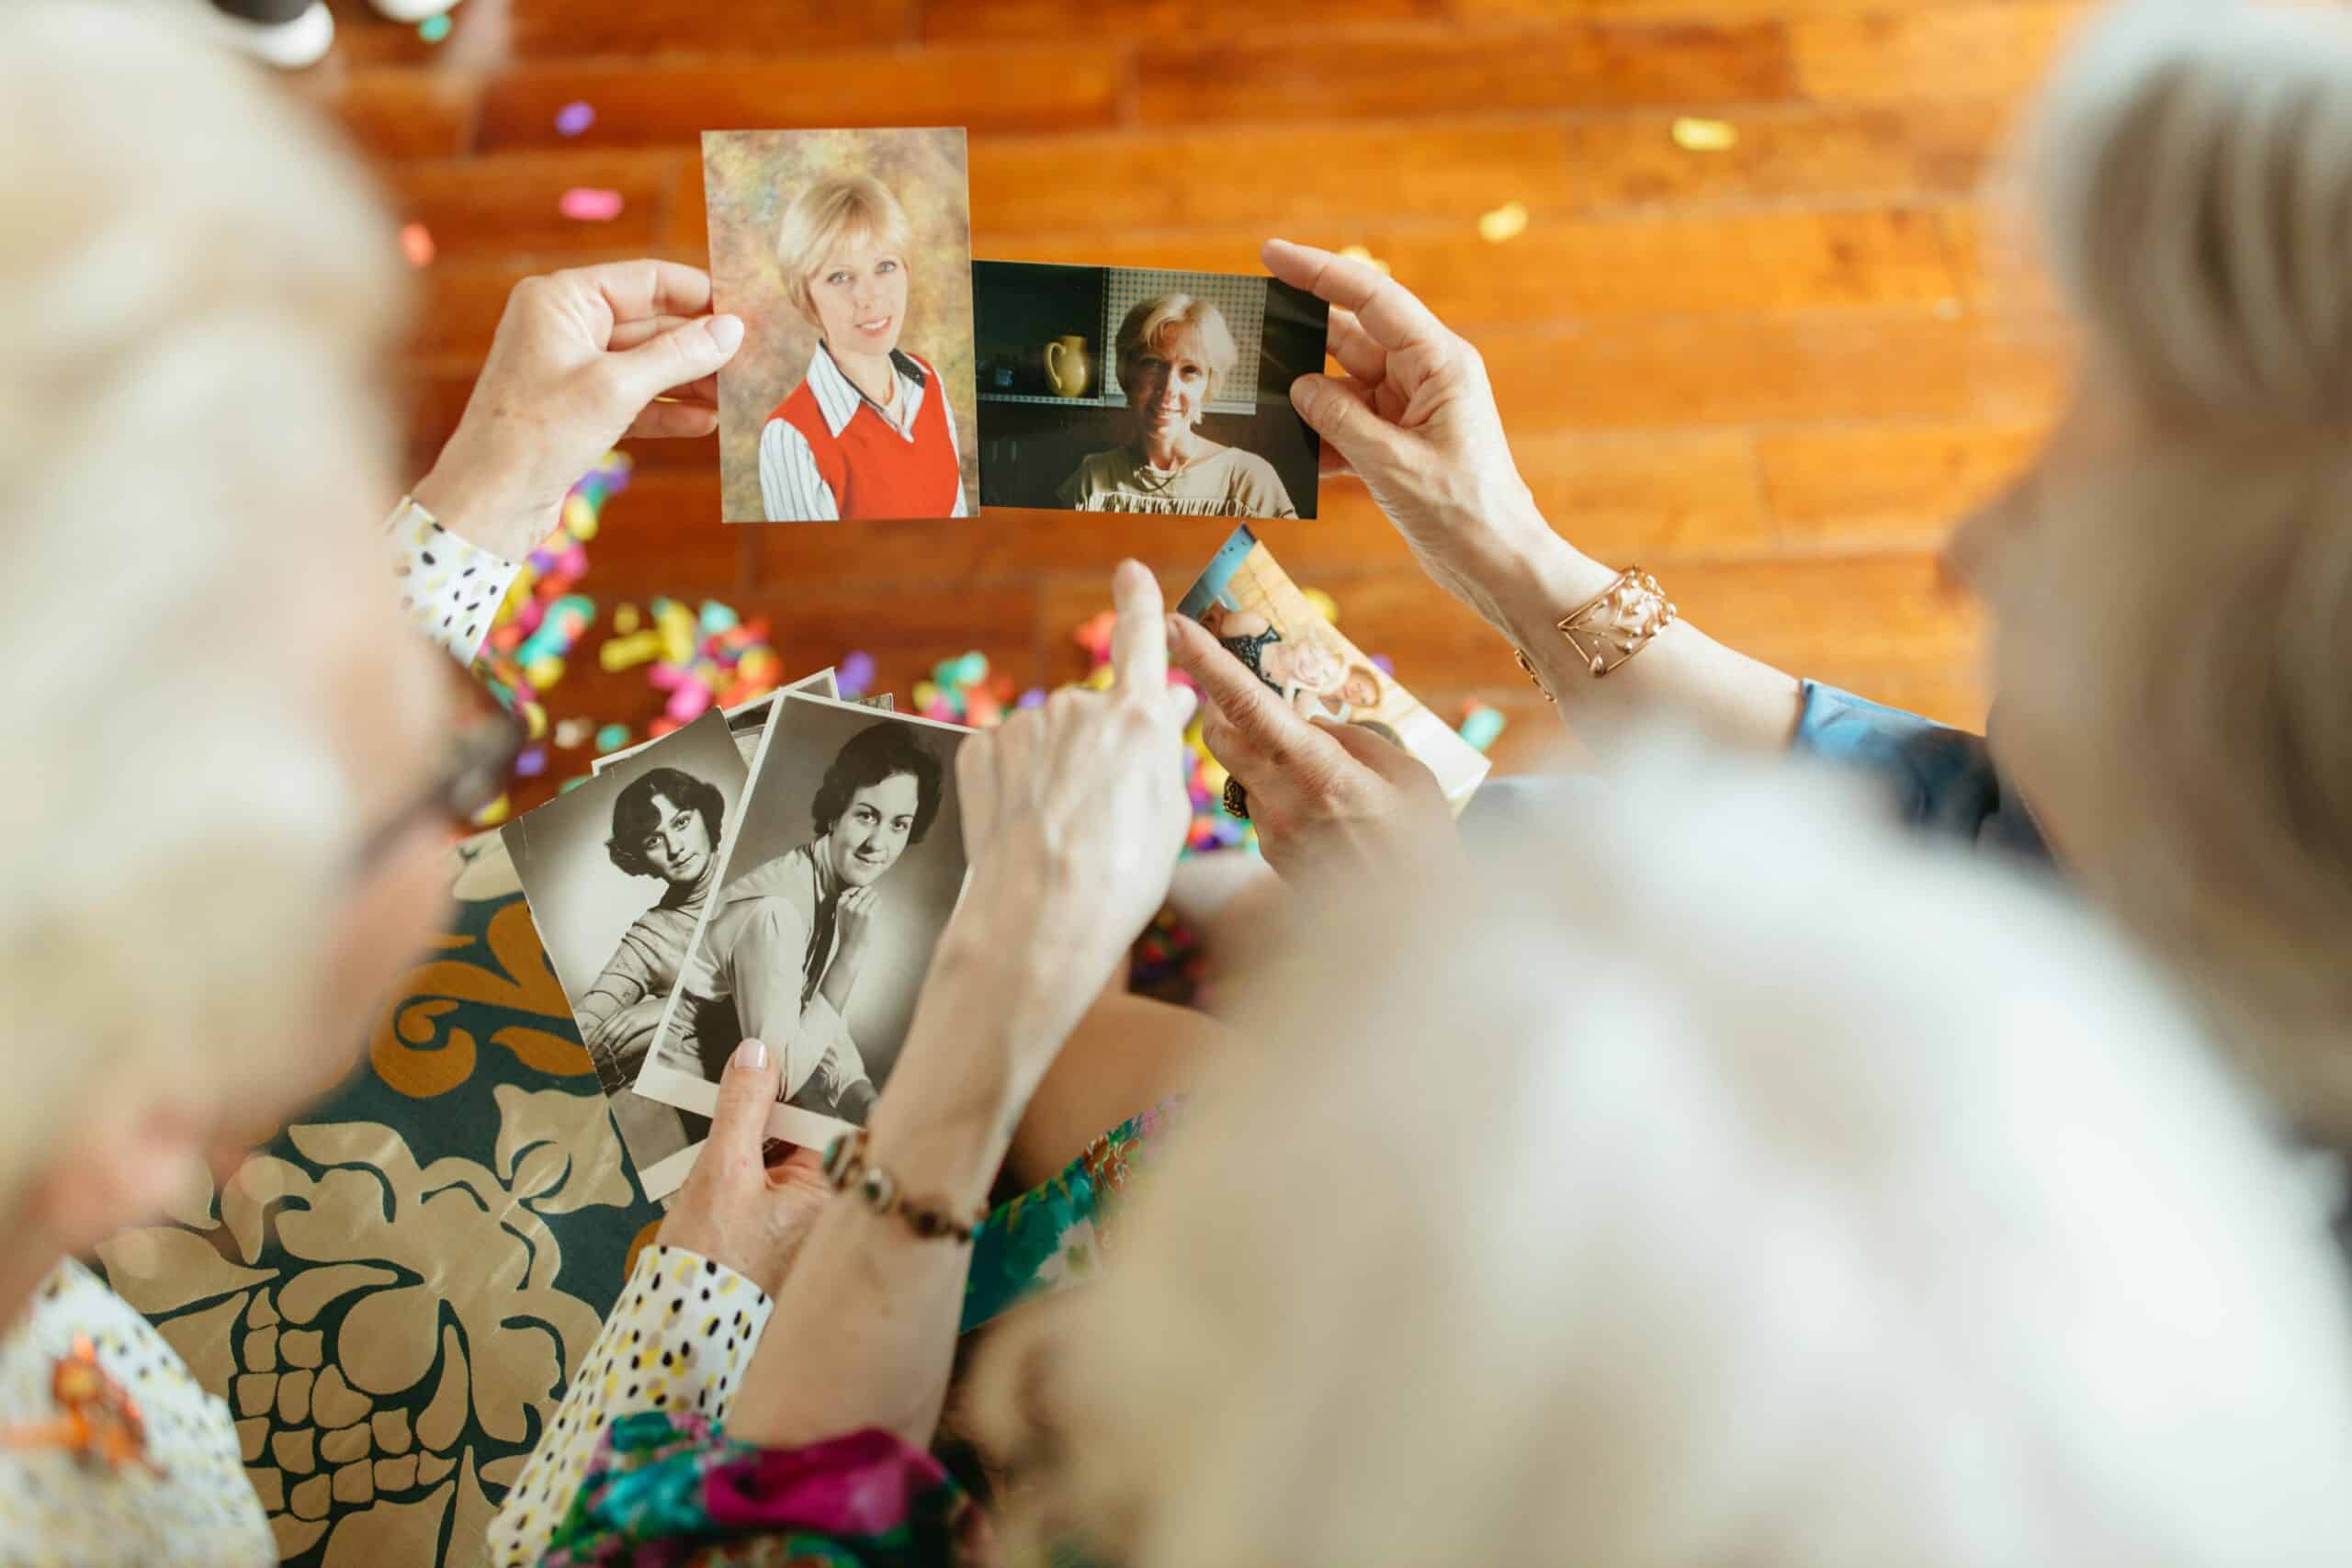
(393,1294)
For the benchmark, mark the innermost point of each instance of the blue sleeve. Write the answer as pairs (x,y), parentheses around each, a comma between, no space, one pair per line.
(1943,780)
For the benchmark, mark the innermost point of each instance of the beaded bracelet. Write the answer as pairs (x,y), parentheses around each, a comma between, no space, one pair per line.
(845,1166)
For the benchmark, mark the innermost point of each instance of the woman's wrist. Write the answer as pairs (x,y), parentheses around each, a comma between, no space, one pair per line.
(472,499)
(1534,580)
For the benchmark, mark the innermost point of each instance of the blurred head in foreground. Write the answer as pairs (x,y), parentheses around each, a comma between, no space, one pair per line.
(2172,578)
(1617,1224)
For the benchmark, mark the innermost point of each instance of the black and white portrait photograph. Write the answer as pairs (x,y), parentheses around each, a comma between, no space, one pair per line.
(617,873)
(832,893)
(1132,389)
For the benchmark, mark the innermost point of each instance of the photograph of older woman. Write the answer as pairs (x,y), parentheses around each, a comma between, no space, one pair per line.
(1146,390)
(617,873)
(856,298)
(812,944)
(1317,680)
(1174,354)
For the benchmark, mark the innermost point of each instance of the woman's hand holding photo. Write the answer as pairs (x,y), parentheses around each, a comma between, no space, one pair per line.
(582,358)
(1322,792)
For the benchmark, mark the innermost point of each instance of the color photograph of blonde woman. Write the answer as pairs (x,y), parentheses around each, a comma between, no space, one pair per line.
(848,255)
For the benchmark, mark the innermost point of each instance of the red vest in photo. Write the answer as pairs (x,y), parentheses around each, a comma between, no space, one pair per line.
(873,471)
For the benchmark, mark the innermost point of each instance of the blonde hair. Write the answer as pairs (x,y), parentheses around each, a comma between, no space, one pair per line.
(2192,175)
(825,213)
(1151,324)
(1831,1202)
(202,298)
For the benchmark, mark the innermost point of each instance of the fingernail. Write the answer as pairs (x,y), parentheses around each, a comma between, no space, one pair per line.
(752,1054)
(727,332)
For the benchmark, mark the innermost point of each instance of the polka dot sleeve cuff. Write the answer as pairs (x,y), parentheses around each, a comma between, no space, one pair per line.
(449,587)
(678,1340)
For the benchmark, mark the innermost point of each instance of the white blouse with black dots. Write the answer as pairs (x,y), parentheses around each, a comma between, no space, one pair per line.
(450,586)
(678,1340)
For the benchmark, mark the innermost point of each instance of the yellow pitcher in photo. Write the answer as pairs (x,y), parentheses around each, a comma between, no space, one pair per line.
(1066,367)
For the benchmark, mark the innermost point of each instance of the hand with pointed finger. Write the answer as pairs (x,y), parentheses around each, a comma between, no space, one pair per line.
(735,1209)
(1326,798)
(1415,418)
(1074,813)
(579,360)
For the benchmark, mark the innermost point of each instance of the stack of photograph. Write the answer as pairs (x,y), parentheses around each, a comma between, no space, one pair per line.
(781,872)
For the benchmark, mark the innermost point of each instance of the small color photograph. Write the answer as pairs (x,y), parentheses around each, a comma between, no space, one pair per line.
(1127,389)
(848,254)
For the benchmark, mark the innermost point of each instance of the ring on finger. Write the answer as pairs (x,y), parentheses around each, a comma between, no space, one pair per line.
(1236,798)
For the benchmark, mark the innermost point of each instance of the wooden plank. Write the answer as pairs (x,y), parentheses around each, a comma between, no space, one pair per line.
(1872,484)
(1652,495)
(1992,254)
(390,113)
(1406,71)
(1868,622)
(1838,153)
(1265,179)
(1681,10)
(506,203)
(670,102)
(1156,21)
(1999,50)
(567,30)
(1645,372)
(1631,264)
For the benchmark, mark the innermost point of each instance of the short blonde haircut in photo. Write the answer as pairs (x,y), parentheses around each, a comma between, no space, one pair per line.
(822,216)
(1152,324)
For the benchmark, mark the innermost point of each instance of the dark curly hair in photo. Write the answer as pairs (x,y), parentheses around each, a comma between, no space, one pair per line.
(873,754)
(635,815)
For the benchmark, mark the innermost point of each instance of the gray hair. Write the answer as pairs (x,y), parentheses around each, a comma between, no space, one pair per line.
(1718,1176)
(202,294)
(2192,186)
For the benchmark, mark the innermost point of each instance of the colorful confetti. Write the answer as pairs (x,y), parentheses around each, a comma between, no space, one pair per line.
(1508,222)
(590,203)
(432,29)
(1481,724)
(1705,135)
(416,245)
(574,118)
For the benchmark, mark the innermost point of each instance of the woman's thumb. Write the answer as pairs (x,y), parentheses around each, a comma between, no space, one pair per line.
(681,355)
(739,1122)
(1341,412)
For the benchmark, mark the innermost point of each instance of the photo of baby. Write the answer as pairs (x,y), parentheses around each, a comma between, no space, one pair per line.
(848,255)
(1248,603)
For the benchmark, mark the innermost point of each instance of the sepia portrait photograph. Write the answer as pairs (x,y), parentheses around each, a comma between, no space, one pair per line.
(846,863)
(616,872)
(1129,389)
(848,254)
(1248,603)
